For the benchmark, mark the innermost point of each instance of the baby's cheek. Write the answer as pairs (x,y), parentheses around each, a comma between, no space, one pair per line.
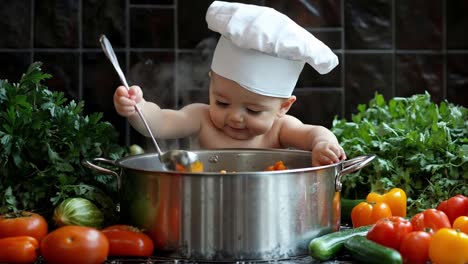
(259,126)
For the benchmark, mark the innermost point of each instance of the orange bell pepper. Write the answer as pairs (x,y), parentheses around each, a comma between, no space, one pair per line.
(395,198)
(448,246)
(366,213)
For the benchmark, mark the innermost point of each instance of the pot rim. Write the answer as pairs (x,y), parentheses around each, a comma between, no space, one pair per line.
(221,150)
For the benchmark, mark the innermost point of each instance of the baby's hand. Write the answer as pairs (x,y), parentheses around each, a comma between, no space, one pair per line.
(326,153)
(125,100)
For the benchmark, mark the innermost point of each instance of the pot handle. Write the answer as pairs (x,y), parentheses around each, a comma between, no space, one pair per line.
(91,165)
(351,165)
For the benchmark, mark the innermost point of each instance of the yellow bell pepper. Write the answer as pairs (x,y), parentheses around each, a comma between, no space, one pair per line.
(395,198)
(449,246)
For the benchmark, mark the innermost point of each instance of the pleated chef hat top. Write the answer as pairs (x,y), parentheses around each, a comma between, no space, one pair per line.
(263,50)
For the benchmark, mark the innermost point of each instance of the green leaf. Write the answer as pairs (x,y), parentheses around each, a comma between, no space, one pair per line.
(43,141)
(421,148)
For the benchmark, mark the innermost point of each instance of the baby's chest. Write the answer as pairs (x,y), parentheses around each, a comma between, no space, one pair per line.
(215,139)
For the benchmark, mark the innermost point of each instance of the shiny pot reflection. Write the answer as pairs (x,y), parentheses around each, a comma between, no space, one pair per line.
(246,214)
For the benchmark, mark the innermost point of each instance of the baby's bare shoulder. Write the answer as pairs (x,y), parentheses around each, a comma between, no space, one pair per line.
(196,107)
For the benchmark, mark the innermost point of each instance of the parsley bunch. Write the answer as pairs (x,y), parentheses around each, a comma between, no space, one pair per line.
(420,146)
(43,140)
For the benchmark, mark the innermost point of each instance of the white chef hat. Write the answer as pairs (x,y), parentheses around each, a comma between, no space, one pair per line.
(263,50)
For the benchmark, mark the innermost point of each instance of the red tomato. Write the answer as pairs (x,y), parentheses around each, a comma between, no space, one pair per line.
(23,224)
(126,240)
(18,249)
(454,207)
(75,244)
(390,231)
(414,247)
(432,219)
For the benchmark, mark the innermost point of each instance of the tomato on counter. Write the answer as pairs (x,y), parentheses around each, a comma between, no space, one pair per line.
(414,247)
(19,249)
(432,219)
(23,223)
(454,207)
(369,213)
(390,231)
(125,240)
(75,244)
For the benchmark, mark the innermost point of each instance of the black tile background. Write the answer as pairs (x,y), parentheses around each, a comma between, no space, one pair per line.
(395,47)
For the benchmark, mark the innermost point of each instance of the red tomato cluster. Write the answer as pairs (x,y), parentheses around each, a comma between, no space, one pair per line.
(20,236)
(24,236)
(439,235)
(454,207)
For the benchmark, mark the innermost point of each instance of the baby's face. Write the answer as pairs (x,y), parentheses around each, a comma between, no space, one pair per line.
(239,113)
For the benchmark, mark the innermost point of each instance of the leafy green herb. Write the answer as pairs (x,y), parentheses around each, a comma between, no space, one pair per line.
(420,146)
(43,140)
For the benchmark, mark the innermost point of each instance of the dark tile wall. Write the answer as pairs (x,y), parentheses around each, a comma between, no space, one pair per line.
(395,47)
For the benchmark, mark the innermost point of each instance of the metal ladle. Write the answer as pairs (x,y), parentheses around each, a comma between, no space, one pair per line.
(172,159)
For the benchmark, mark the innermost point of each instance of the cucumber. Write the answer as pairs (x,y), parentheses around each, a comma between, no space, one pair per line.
(364,250)
(347,206)
(327,246)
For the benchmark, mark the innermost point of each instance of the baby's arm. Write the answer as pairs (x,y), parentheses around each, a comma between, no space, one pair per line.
(318,139)
(164,123)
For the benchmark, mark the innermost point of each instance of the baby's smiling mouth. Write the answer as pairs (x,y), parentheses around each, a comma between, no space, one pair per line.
(236,129)
(235,132)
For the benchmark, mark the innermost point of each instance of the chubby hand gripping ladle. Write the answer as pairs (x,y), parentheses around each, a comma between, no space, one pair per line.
(179,160)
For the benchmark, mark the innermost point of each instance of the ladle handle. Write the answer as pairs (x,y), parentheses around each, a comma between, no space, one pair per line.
(109,51)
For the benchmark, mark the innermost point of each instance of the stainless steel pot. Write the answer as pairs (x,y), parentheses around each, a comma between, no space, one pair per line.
(244,214)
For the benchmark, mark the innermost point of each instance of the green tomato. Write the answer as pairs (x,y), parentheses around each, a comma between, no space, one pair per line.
(78,211)
(136,149)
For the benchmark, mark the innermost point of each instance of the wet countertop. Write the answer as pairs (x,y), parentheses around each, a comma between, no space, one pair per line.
(158,260)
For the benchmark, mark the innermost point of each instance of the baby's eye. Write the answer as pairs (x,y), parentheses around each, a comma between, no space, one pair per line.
(222,104)
(253,112)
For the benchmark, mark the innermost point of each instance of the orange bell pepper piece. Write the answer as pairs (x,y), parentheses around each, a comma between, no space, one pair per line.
(395,198)
(448,246)
(366,213)
(196,166)
(279,165)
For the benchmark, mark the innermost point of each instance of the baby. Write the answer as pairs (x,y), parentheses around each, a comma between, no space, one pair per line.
(255,67)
